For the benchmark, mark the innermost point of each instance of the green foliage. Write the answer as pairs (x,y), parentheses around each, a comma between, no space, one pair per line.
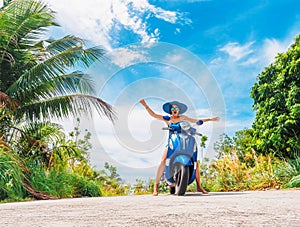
(203,141)
(243,140)
(295,167)
(61,170)
(294,182)
(295,164)
(67,172)
(39,80)
(276,97)
(11,177)
(5,2)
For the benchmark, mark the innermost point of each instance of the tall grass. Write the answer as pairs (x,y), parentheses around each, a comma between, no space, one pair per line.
(254,172)
(11,177)
(63,184)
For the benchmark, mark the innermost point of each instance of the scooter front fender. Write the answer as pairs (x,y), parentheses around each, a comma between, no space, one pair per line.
(183,159)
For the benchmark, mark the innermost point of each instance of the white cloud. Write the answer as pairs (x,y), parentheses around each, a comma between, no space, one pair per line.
(233,125)
(271,47)
(125,57)
(237,51)
(250,61)
(249,54)
(103,20)
(189,1)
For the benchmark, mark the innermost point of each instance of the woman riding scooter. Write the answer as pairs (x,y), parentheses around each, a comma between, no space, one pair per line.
(175,109)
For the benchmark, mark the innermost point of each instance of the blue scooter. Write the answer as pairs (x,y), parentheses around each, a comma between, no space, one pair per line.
(181,161)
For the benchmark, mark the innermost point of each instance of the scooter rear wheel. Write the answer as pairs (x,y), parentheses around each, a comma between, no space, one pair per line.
(182,180)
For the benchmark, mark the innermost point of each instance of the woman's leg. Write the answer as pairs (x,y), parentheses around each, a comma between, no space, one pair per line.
(160,171)
(199,187)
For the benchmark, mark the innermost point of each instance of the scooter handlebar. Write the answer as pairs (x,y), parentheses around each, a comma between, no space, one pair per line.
(198,134)
(169,128)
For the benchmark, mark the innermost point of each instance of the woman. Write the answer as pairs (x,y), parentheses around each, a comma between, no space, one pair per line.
(174,108)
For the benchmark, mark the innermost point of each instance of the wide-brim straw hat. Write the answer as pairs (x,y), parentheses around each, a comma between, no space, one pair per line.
(167,107)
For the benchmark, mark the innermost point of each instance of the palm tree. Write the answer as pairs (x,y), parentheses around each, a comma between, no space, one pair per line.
(38,77)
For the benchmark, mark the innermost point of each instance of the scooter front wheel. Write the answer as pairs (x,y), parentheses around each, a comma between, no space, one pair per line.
(182,180)
(172,190)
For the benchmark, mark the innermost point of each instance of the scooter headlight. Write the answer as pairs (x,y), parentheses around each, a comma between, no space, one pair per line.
(185,126)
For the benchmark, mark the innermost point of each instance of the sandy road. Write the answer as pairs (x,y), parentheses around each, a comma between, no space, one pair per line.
(259,208)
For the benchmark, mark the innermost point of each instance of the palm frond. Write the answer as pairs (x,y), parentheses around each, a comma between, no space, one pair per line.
(22,23)
(55,65)
(63,106)
(26,19)
(60,45)
(75,82)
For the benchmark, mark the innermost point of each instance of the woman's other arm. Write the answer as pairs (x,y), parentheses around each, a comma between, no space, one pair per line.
(194,120)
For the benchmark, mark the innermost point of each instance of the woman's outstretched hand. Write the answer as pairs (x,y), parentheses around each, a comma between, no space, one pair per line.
(215,119)
(142,101)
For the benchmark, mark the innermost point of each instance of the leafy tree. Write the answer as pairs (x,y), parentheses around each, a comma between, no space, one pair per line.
(111,181)
(276,96)
(83,143)
(243,140)
(110,175)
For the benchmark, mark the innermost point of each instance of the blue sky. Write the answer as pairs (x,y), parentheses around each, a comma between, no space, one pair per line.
(206,53)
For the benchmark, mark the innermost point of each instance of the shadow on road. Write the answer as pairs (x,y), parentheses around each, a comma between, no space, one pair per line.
(214,193)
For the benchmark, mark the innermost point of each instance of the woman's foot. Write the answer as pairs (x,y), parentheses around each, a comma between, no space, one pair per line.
(200,189)
(155,190)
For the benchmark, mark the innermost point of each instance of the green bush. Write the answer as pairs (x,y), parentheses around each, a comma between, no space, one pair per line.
(63,184)
(57,184)
(294,182)
(87,188)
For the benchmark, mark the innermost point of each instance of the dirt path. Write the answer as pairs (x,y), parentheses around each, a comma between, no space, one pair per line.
(261,208)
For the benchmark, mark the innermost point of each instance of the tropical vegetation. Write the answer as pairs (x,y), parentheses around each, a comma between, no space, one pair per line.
(43,79)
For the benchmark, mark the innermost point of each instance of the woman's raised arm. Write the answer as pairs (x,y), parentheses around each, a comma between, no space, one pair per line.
(157,116)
